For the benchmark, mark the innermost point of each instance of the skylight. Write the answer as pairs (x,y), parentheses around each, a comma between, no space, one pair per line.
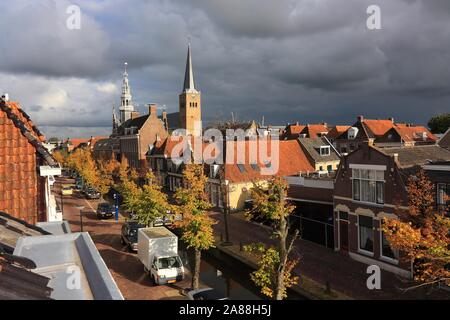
(241,168)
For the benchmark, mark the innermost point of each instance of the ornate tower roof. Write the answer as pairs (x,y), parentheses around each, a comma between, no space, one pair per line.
(189,85)
(126,102)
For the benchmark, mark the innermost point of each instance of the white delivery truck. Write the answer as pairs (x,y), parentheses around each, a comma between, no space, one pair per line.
(158,251)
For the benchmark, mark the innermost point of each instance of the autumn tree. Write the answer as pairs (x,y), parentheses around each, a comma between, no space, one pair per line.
(148,203)
(193,205)
(83,162)
(106,170)
(422,233)
(61,157)
(275,273)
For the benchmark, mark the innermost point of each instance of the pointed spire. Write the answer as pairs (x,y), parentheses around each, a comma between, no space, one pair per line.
(125,85)
(189,85)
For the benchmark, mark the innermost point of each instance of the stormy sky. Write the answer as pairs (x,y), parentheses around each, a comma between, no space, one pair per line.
(287,60)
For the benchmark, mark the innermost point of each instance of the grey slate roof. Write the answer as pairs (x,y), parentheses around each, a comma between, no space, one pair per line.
(11,229)
(312,147)
(418,155)
(19,283)
(444,141)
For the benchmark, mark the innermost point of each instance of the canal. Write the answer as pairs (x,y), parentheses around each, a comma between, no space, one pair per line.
(227,275)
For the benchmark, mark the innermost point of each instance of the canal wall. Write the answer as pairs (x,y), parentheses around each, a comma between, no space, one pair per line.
(308,288)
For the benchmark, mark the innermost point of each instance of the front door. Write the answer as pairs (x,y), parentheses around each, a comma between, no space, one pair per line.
(343,235)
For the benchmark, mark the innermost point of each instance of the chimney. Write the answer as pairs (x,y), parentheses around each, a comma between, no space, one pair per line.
(134,115)
(392,119)
(360,118)
(153,110)
(165,120)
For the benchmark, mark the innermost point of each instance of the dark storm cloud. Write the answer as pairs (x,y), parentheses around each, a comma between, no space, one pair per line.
(286,60)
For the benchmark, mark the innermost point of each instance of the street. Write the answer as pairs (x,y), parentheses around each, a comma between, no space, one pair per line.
(126,269)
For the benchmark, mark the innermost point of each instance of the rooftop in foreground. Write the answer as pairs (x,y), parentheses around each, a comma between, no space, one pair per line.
(61,258)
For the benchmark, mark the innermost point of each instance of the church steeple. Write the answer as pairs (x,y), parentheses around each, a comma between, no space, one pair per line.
(126,103)
(189,85)
(190,102)
(115,122)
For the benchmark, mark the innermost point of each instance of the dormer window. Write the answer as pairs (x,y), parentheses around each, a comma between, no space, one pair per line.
(325,151)
(352,133)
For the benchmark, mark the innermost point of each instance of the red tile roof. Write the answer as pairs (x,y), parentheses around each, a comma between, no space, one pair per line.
(292,131)
(336,131)
(292,160)
(21,151)
(414,133)
(166,147)
(378,127)
(315,130)
(24,118)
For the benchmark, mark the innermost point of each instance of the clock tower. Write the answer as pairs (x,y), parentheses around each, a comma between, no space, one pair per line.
(190,102)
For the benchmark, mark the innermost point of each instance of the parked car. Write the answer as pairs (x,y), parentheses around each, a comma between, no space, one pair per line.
(91,193)
(129,234)
(168,219)
(206,294)
(74,174)
(158,252)
(79,183)
(105,210)
(66,190)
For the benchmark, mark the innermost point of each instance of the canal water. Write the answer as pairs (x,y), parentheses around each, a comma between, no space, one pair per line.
(227,275)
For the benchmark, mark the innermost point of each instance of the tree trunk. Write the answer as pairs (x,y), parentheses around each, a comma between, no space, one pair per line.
(196,273)
(279,289)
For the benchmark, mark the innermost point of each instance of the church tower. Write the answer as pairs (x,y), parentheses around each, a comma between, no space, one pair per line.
(190,102)
(126,103)
(115,123)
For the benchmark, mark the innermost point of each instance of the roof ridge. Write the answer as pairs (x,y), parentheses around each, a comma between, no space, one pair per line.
(32,139)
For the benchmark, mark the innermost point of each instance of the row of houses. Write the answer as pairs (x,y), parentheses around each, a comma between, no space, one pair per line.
(341,198)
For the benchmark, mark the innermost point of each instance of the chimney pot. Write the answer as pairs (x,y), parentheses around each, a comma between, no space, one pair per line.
(134,115)
(360,118)
(152,109)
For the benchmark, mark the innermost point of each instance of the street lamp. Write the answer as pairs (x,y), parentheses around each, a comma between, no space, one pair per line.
(116,198)
(79,207)
(226,211)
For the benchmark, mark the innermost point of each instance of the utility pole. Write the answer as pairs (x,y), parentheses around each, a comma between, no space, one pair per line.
(225,188)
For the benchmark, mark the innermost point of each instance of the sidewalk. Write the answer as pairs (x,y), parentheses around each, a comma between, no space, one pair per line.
(321,264)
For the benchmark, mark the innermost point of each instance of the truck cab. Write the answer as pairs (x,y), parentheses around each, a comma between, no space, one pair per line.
(158,252)
(166,269)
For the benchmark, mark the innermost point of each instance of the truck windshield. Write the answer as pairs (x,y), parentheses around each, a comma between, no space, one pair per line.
(167,263)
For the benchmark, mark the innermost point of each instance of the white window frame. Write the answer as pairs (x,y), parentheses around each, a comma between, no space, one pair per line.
(376,179)
(440,200)
(365,252)
(322,148)
(382,257)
